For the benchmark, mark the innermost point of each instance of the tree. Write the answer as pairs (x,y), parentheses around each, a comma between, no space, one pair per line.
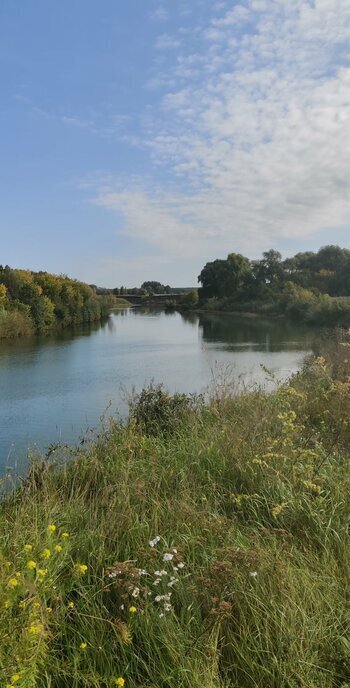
(154,287)
(223,278)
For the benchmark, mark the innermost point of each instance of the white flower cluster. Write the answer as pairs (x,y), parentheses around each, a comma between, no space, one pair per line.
(164,578)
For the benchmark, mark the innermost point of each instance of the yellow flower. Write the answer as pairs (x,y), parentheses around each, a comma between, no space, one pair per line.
(81,568)
(28,548)
(31,565)
(12,583)
(51,528)
(7,604)
(46,553)
(83,646)
(42,573)
(70,605)
(120,681)
(132,610)
(35,628)
(58,548)
(65,535)
(9,685)
(49,610)
(277,510)
(15,678)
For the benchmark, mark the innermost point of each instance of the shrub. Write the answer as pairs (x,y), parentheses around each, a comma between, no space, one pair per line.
(155,411)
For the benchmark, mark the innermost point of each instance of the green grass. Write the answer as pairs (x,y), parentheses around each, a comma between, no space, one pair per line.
(252,491)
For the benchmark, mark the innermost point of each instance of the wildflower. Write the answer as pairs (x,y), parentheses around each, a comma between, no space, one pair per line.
(168,556)
(253,574)
(161,573)
(15,678)
(161,615)
(65,535)
(12,583)
(42,573)
(70,605)
(46,554)
(28,548)
(31,565)
(315,489)
(7,604)
(132,610)
(166,597)
(157,581)
(83,646)
(51,528)
(49,610)
(167,607)
(120,681)
(81,568)
(9,685)
(35,628)
(153,543)
(135,592)
(172,582)
(58,548)
(277,510)
(181,565)
(22,604)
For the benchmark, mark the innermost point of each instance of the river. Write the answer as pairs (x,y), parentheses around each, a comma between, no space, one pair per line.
(55,389)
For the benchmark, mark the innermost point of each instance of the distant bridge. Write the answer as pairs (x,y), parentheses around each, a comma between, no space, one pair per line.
(137,299)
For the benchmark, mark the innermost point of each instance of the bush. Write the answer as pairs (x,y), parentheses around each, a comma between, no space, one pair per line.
(15,323)
(155,411)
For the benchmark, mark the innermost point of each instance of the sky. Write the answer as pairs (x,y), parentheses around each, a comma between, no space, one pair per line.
(140,139)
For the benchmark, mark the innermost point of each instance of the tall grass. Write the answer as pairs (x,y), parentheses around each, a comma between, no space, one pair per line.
(238,508)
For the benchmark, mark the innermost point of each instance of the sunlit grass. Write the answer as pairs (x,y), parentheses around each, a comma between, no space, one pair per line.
(211,553)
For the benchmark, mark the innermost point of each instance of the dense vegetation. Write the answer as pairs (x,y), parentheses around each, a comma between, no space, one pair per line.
(314,287)
(40,302)
(203,545)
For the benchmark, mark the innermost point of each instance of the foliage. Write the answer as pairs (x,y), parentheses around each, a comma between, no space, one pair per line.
(39,302)
(314,287)
(216,556)
(155,411)
(190,299)
(153,287)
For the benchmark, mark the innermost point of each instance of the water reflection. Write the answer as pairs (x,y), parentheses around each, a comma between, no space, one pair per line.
(53,388)
(243,334)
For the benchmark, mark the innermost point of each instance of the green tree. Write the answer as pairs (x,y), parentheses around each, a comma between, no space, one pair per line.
(225,278)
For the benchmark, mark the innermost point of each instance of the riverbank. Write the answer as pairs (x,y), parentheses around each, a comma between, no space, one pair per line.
(292,303)
(41,303)
(199,545)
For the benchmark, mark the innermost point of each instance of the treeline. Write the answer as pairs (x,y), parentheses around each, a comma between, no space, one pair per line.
(314,287)
(38,302)
(147,289)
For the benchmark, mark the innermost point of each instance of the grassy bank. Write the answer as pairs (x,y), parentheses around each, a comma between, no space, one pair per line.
(201,546)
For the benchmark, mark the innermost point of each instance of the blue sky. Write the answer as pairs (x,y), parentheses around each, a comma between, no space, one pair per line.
(140,139)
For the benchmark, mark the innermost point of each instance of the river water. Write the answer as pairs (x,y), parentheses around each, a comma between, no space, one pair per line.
(55,389)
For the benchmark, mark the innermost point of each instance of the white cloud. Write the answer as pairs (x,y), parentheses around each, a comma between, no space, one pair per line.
(167,42)
(237,15)
(160,14)
(256,134)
